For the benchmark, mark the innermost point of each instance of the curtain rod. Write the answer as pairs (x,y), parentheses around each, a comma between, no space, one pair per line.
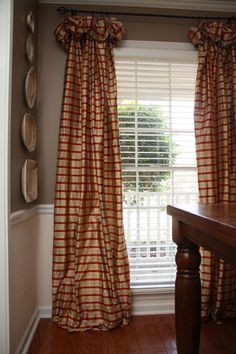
(64,11)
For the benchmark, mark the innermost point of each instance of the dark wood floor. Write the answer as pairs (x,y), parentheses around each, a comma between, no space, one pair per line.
(144,335)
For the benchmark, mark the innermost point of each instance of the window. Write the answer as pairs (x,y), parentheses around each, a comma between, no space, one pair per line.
(155,106)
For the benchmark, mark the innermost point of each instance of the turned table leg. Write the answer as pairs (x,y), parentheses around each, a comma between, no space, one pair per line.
(187,296)
(187,301)
(212,227)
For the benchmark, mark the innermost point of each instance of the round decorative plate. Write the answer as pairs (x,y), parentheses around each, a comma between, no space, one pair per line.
(29,180)
(29,48)
(30,87)
(30,21)
(28,132)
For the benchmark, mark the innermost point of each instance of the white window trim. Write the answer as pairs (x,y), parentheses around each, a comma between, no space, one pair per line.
(164,50)
(6,19)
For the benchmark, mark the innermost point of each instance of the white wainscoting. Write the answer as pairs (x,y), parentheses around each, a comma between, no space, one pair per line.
(23,257)
(145,301)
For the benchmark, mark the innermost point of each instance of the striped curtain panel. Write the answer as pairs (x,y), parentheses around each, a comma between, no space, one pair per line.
(91,284)
(215,130)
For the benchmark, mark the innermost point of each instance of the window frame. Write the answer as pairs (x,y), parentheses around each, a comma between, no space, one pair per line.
(183,52)
(164,50)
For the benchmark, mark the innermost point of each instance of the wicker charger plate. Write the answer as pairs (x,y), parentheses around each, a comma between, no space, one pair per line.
(28,132)
(30,87)
(30,21)
(29,48)
(29,180)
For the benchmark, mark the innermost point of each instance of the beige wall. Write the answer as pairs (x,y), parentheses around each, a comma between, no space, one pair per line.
(51,62)
(19,69)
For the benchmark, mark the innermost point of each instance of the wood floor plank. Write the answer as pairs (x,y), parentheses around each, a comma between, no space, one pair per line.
(60,338)
(41,331)
(165,330)
(230,327)
(206,343)
(88,342)
(125,339)
(143,339)
(154,326)
(119,339)
(223,344)
(108,345)
(47,343)
(132,338)
(144,335)
(169,321)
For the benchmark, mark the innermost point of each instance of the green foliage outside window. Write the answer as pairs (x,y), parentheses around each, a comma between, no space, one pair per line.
(145,129)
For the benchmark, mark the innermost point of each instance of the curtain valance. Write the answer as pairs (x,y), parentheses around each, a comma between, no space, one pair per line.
(80,28)
(217,32)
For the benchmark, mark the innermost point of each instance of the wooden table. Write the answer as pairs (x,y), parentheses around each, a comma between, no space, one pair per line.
(213,227)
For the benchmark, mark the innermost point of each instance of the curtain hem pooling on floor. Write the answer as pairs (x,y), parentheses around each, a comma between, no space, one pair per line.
(91,282)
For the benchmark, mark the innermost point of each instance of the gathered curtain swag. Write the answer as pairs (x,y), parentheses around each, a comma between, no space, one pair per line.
(215,131)
(91,281)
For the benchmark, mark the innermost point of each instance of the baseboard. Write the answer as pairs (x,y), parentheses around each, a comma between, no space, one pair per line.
(24,344)
(45,311)
(145,302)
(40,312)
(153,301)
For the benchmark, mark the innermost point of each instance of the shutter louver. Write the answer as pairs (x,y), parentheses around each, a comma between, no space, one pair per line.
(155,106)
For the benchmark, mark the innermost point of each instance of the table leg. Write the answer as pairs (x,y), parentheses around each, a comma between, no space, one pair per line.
(187,297)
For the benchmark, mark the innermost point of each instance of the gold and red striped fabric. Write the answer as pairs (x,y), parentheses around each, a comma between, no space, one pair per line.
(91,281)
(215,131)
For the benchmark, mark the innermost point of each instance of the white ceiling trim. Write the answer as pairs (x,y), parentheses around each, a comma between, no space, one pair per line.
(207,5)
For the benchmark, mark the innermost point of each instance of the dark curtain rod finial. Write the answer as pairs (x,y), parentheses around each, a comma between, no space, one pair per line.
(64,11)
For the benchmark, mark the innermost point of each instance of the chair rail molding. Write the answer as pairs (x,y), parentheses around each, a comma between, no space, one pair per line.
(22,215)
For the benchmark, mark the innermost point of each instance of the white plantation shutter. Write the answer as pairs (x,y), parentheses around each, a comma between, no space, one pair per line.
(155,105)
